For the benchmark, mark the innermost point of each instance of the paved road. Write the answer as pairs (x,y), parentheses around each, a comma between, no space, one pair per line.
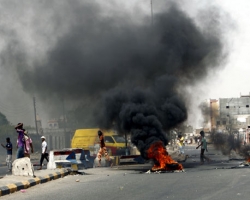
(201,184)
(221,179)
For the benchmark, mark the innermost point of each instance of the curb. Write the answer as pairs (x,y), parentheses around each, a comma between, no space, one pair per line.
(14,187)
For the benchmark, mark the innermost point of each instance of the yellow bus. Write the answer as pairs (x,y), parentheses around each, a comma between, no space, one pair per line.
(88,139)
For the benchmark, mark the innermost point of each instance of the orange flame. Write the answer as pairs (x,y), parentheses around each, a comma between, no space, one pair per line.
(163,161)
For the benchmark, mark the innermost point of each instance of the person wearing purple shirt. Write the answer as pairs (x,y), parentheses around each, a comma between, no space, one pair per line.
(20,141)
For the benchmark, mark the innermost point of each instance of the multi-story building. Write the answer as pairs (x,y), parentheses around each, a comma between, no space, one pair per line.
(210,113)
(230,115)
(235,114)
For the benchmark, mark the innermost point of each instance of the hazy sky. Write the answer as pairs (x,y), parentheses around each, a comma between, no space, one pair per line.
(30,30)
(234,79)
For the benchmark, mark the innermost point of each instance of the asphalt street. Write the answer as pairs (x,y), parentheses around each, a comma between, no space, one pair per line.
(219,179)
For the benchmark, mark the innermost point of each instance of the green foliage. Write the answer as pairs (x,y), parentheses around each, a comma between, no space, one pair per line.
(3,120)
(8,131)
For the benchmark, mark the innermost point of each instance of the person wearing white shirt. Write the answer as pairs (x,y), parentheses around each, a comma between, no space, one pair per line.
(44,152)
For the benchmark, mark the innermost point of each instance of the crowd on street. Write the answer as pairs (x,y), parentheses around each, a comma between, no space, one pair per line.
(24,147)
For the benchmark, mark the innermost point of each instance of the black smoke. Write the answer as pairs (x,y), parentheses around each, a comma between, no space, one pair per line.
(133,73)
(230,143)
(99,53)
(141,113)
(226,142)
(181,54)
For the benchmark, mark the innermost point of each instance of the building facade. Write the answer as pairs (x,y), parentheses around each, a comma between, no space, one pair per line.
(230,115)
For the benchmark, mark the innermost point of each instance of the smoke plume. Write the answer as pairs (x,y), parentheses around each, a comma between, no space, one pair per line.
(132,71)
(231,143)
(181,55)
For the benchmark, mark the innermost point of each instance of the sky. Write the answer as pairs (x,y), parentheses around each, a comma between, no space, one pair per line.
(233,80)
(32,32)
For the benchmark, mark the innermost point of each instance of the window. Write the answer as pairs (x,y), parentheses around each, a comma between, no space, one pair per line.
(119,139)
(218,122)
(227,106)
(247,106)
(108,139)
(224,122)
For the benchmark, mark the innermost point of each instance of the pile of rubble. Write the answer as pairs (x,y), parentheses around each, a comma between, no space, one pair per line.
(245,164)
(177,156)
(159,172)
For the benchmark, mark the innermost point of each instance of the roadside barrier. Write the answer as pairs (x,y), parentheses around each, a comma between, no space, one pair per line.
(75,158)
(70,157)
(22,167)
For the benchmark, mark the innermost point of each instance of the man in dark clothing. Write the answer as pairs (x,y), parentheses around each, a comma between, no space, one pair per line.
(8,147)
(203,146)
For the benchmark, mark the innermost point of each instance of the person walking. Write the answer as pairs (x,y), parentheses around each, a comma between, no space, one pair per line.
(44,152)
(8,147)
(28,145)
(103,150)
(20,140)
(180,143)
(203,146)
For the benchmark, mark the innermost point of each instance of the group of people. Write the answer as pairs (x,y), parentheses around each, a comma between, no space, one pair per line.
(24,142)
(202,144)
(24,147)
(180,142)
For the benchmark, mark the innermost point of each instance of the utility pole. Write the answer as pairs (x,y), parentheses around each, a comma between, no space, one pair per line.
(34,102)
(64,122)
(64,125)
(152,14)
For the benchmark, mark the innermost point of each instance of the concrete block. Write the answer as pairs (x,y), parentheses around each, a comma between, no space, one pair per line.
(22,167)
(178,157)
(51,164)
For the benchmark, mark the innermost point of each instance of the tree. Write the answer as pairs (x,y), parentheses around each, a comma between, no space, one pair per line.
(3,120)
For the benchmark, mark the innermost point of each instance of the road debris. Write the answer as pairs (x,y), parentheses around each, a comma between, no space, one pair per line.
(164,171)
(244,164)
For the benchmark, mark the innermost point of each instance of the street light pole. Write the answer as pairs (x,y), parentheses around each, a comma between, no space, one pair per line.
(152,14)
